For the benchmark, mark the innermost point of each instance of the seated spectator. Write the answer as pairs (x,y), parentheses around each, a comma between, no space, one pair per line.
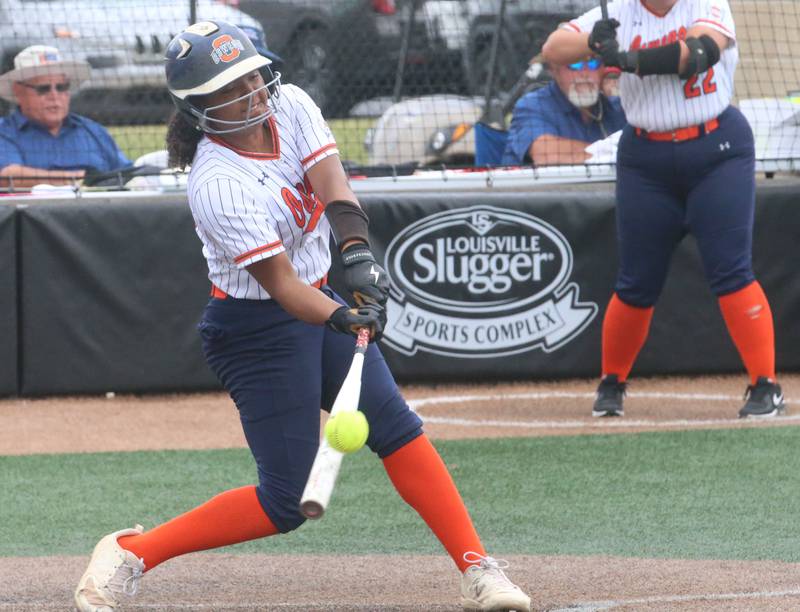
(41,141)
(554,124)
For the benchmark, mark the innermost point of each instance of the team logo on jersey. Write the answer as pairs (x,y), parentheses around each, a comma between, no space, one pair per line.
(307,209)
(667,39)
(482,281)
(226,48)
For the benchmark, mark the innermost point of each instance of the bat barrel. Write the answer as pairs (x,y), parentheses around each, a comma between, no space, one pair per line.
(322,478)
(321,481)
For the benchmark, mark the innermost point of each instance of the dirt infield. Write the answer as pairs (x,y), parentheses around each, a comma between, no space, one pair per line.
(219,581)
(276,583)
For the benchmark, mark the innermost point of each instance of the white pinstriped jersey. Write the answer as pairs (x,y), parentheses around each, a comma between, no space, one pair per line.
(662,103)
(248,207)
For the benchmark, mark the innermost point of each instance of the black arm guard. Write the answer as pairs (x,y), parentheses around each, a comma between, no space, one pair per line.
(348,221)
(659,60)
(703,53)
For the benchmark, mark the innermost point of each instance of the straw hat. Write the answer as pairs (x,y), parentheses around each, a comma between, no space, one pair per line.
(39,60)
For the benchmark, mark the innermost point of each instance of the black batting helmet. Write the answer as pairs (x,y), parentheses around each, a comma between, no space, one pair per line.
(206,57)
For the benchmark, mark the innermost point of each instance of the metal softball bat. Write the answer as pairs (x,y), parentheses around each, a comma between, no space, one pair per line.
(327,462)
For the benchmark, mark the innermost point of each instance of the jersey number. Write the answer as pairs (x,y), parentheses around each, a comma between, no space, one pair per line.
(692,90)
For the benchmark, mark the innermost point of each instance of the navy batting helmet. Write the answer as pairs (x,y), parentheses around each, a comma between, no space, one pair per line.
(206,57)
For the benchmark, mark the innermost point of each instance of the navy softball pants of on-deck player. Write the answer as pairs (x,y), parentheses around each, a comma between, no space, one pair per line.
(665,190)
(280,371)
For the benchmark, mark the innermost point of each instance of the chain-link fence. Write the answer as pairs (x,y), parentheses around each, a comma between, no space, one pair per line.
(403,83)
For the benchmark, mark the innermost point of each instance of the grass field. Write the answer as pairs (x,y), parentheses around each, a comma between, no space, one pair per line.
(140,139)
(723,494)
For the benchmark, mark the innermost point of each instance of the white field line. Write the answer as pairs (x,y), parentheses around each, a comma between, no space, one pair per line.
(666,599)
(418,403)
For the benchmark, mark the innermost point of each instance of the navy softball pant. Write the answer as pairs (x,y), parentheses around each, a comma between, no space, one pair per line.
(280,372)
(665,190)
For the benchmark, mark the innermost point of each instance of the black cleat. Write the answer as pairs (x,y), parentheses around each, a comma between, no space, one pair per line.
(609,397)
(764,400)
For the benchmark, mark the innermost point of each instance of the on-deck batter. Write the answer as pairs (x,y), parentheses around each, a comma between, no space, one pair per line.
(686,164)
(266,190)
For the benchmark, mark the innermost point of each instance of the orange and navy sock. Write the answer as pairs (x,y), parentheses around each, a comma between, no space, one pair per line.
(228,518)
(625,330)
(421,477)
(749,319)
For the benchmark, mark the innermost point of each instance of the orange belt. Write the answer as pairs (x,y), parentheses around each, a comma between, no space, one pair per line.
(218,293)
(681,134)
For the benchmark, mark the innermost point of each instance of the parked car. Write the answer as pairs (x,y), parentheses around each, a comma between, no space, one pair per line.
(122,40)
(345,51)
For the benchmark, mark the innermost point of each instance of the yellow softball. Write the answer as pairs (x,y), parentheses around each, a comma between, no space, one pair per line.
(347,431)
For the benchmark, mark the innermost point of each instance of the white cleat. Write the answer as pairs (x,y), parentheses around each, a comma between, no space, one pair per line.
(112,571)
(485,587)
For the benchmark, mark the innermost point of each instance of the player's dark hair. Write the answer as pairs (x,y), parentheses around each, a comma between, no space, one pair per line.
(182,139)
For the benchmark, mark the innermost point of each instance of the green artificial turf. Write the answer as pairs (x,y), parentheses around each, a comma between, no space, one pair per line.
(701,494)
(136,140)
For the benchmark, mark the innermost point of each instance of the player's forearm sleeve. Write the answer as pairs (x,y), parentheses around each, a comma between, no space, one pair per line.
(348,221)
(659,60)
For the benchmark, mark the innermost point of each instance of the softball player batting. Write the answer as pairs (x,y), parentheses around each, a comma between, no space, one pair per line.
(266,189)
(686,163)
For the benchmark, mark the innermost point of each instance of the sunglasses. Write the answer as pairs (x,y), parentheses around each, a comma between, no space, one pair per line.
(44,89)
(592,64)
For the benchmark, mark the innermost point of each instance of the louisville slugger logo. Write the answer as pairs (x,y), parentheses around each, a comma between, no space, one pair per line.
(480,282)
(226,48)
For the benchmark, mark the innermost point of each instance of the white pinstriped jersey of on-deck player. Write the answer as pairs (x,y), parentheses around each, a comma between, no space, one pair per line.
(662,103)
(250,207)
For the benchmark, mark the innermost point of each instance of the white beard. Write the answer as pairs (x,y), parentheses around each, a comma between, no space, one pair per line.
(583,98)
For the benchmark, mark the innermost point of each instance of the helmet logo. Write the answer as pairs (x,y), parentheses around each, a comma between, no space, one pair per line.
(226,49)
(185,48)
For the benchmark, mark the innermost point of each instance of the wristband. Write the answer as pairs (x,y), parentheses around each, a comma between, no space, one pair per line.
(356,253)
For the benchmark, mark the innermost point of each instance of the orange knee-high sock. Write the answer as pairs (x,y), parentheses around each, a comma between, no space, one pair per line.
(749,319)
(421,477)
(625,329)
(228,518)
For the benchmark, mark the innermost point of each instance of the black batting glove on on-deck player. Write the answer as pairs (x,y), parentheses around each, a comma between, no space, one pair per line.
(603,40)
(349,320)
(363,277)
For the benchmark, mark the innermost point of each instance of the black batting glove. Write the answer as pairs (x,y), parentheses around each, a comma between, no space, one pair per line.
(603,33)
(350,320)
(363,277)
(608,51)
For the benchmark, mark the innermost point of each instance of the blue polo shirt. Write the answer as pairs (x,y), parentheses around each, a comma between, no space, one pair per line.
(548,111)
(81,144)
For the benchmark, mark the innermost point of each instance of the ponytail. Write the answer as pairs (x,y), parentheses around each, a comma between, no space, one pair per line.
(182,139)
